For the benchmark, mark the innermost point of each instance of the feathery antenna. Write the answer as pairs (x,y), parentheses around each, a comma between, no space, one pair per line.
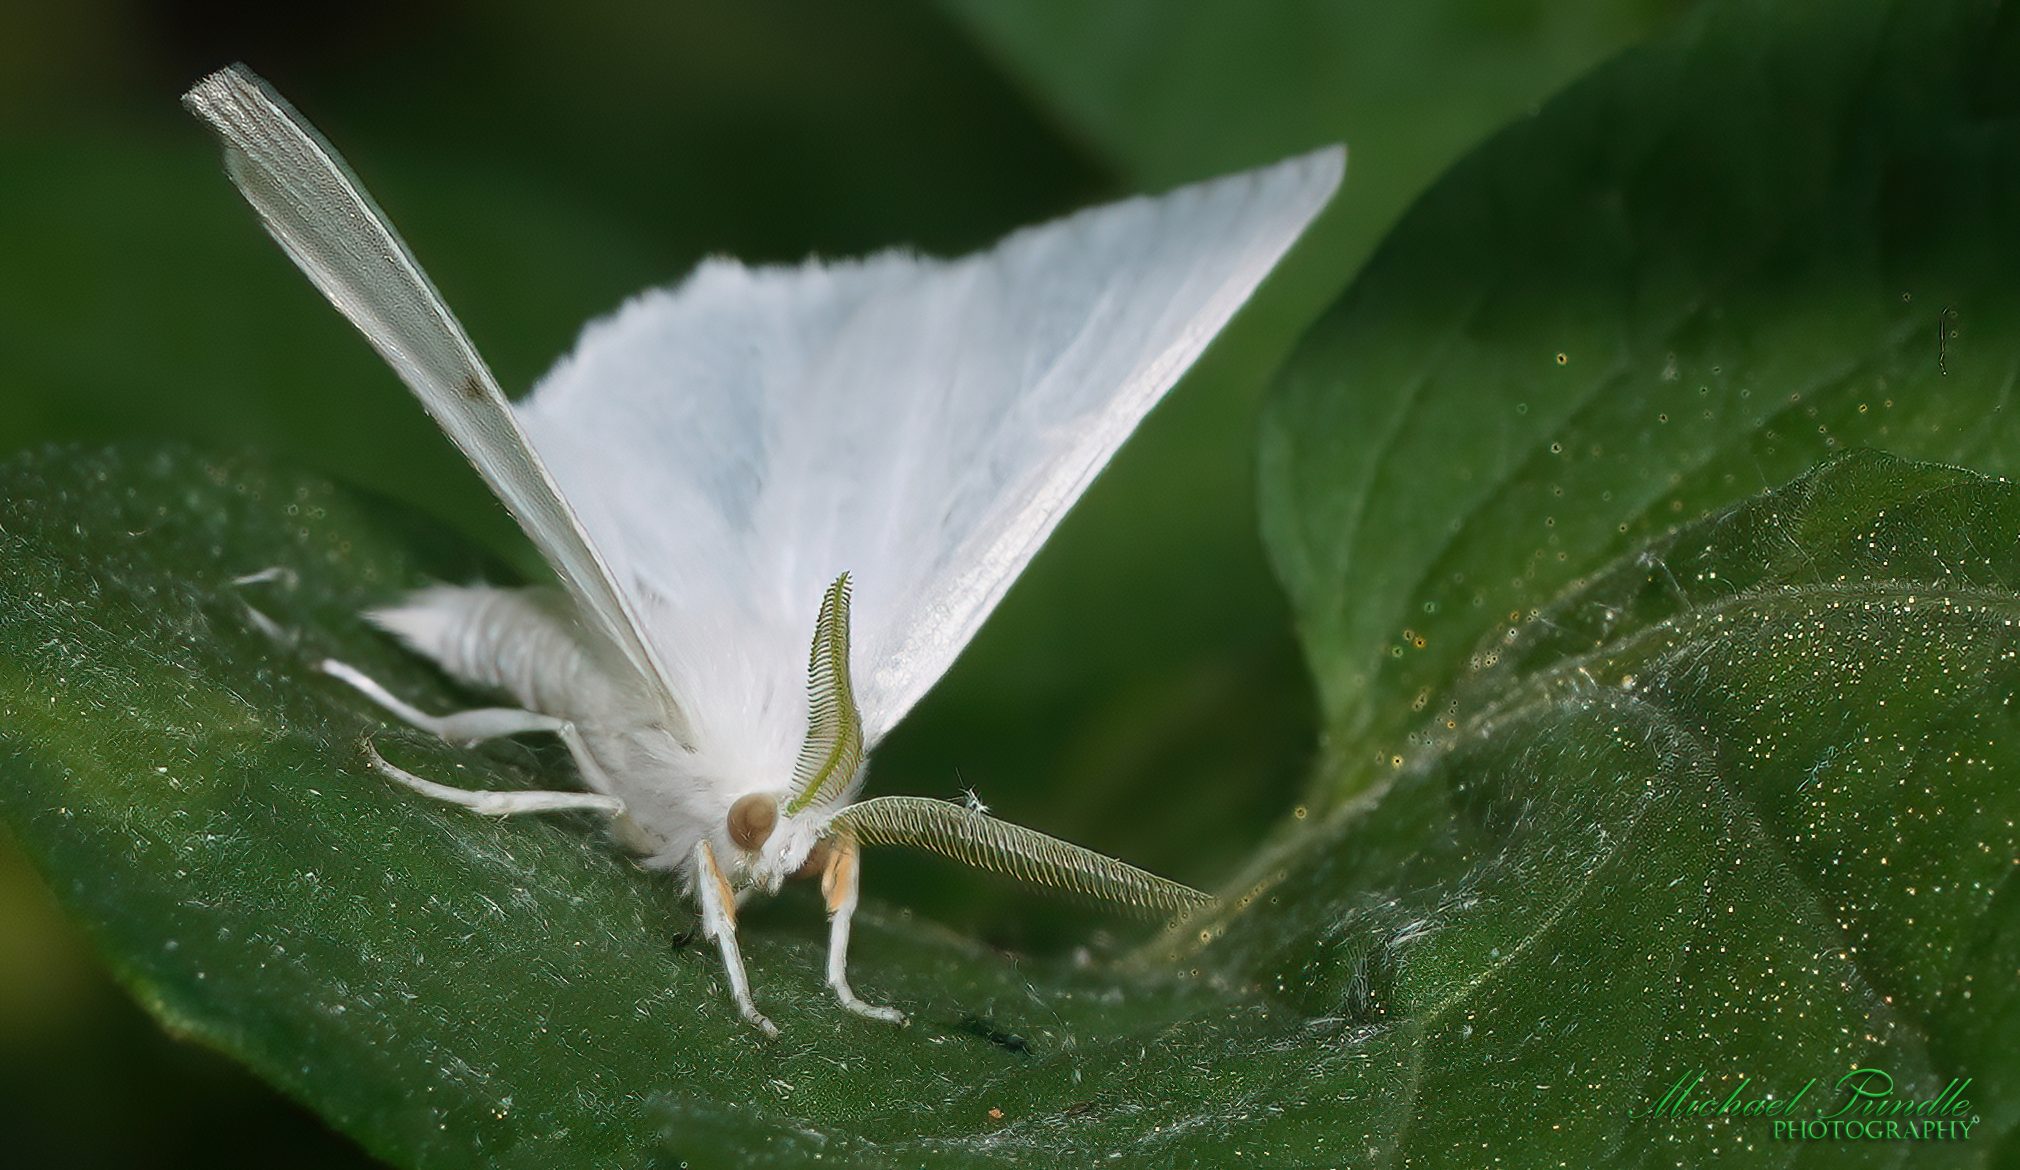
(980,840)
(833,751)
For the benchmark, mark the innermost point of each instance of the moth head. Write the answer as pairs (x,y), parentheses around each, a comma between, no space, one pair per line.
(772,845)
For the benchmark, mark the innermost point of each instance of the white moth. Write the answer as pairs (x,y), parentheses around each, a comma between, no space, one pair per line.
(868,452)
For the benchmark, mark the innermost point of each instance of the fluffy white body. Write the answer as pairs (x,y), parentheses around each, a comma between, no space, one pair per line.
(722,466)
(529,644)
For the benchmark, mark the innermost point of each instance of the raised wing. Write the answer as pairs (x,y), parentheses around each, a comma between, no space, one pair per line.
(311,203)
(752,434)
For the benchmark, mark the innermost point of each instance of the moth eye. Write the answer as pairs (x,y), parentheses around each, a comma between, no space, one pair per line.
(751,820)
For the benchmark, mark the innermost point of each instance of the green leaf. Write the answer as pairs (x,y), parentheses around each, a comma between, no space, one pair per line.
(1646,825)
(1709,265)
(1739,803)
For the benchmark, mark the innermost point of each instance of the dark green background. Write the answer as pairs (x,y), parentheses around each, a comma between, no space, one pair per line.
(1139,691)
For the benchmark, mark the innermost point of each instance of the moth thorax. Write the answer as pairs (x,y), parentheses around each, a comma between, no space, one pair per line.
(752,819)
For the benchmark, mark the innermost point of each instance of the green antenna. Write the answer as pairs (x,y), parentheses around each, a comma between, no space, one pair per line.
(833,750)
(980,840)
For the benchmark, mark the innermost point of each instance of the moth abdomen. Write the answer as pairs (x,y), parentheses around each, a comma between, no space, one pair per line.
(521,641)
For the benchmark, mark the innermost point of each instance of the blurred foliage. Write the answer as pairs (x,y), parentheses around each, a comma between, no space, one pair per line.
(1173,92)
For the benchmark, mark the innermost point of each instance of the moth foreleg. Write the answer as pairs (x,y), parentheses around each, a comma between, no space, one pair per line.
(496,803)
(718,921)
(839,880)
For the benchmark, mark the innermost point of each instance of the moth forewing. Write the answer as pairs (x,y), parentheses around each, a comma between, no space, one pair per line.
(316,209)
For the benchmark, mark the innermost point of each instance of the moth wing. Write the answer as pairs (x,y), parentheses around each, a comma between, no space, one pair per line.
(315,208)
(922,424)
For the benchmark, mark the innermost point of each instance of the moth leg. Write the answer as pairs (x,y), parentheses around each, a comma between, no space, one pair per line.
(464,728)
(280,575)
(267,625)
(718,921)
(277,574)
(838,885)
(469,728)
(493,803)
